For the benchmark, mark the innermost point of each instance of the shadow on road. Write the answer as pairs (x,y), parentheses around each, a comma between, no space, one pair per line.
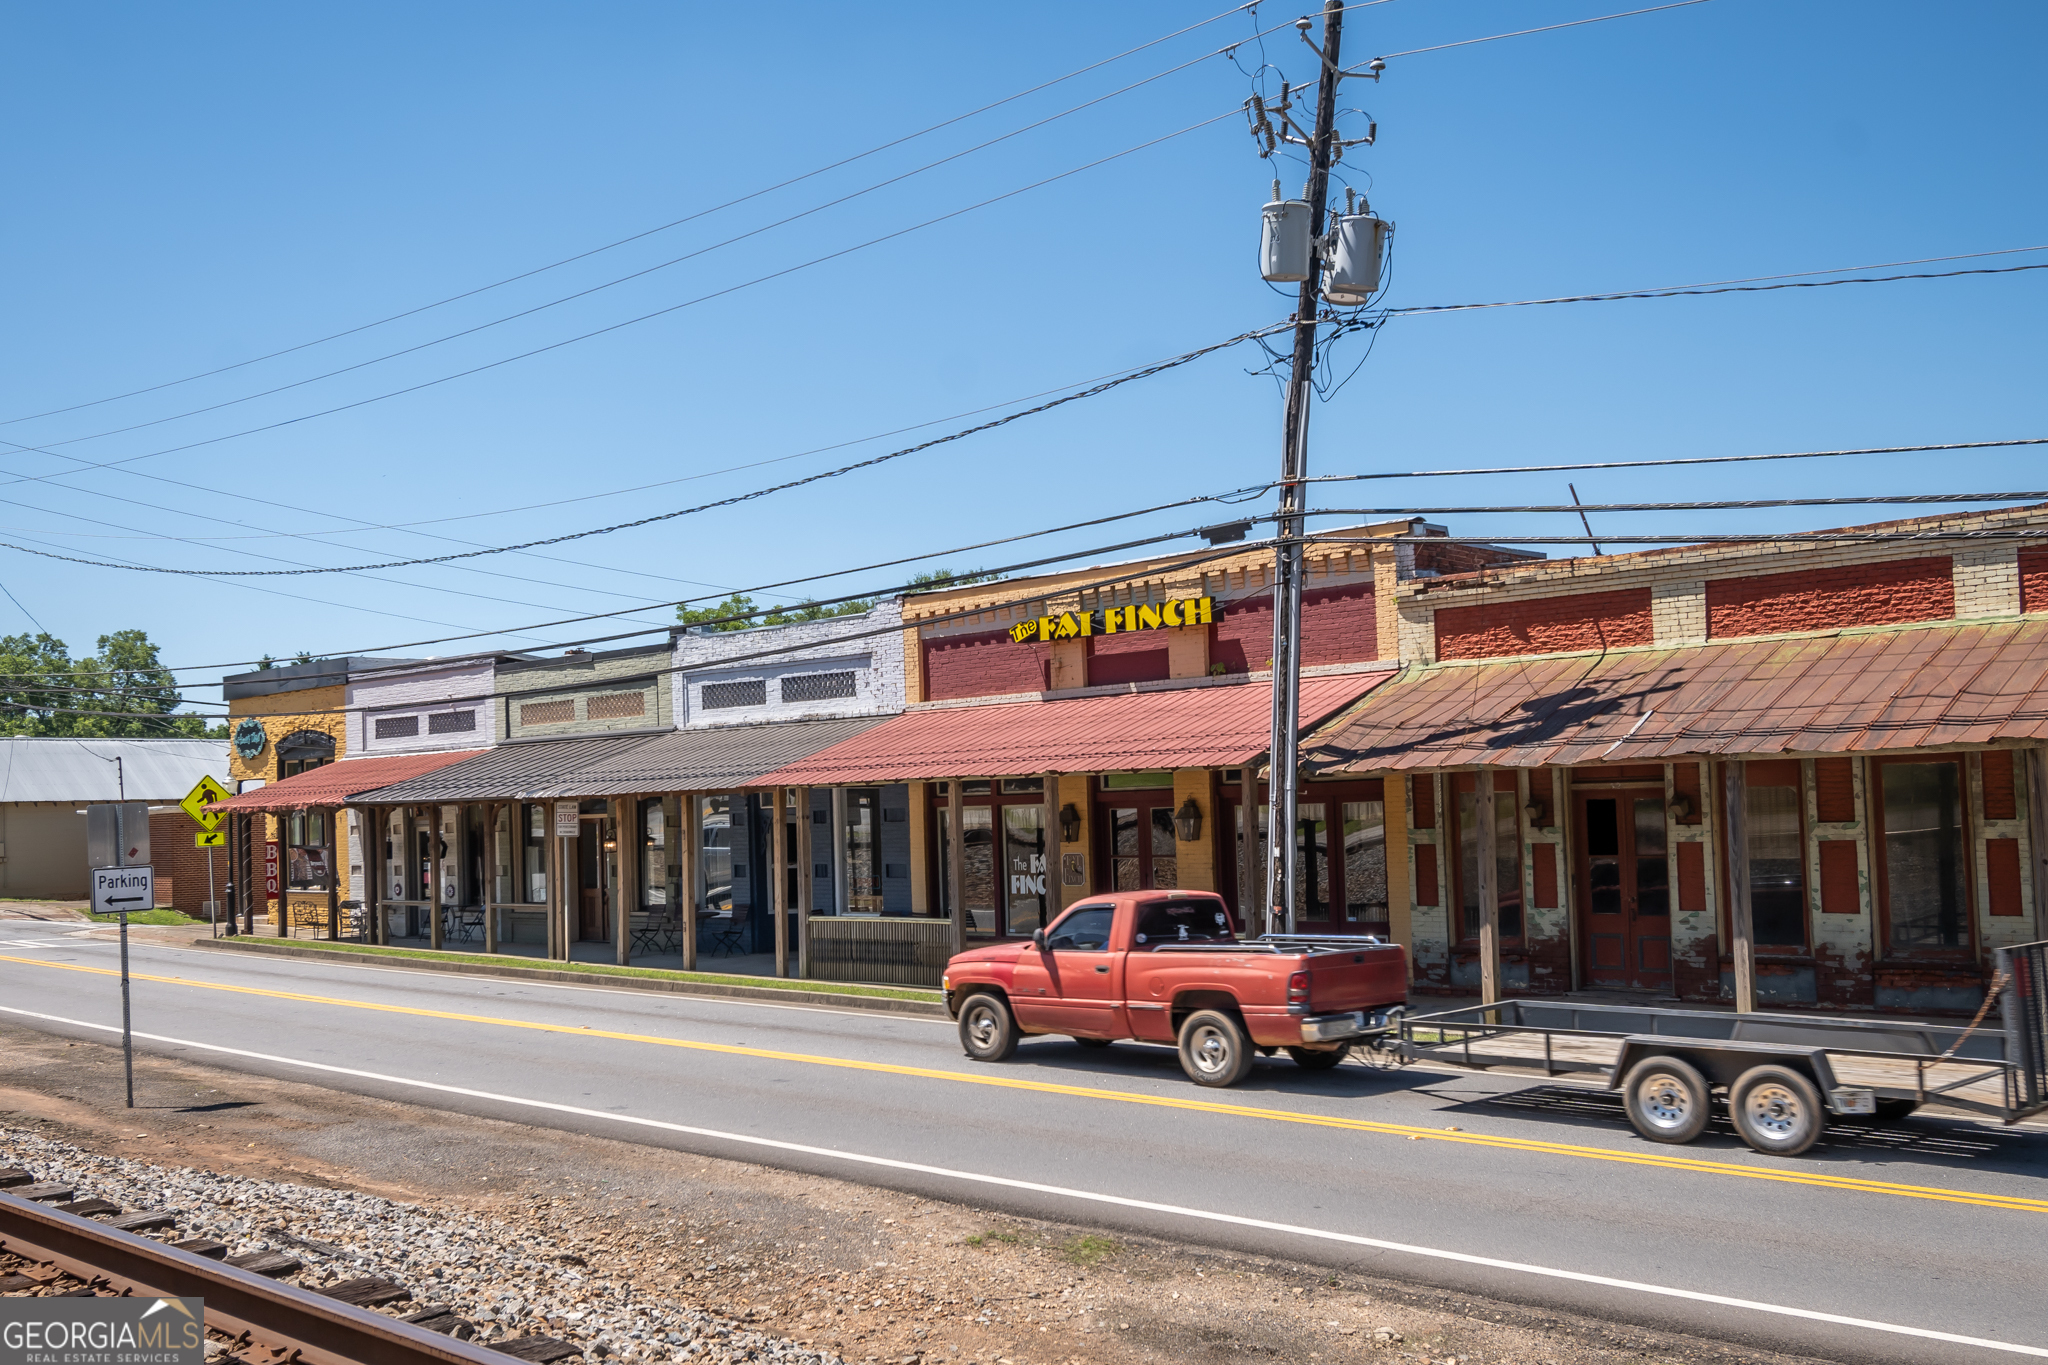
(1270,1076)
(1925,1138)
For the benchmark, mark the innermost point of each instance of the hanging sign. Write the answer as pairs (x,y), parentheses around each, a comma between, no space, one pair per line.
(1068,625)
(567,816)
(270,860)
(250,738)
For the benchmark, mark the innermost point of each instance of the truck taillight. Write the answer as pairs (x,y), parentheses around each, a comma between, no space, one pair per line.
(1297,989)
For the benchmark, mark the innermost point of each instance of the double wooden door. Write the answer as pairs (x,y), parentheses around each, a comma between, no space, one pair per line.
(1624,879)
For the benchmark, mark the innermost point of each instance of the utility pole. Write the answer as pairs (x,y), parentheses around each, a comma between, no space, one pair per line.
(1284,781)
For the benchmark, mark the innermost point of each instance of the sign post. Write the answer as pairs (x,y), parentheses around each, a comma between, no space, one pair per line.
(117,845)
(198,804)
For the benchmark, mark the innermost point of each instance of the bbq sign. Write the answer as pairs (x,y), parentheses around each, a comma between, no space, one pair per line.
(102,1331)
(1068,625)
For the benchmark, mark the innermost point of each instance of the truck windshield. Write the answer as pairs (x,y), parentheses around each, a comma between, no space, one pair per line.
(1187,921)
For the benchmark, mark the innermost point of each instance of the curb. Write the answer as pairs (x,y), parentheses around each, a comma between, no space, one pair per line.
(678,986)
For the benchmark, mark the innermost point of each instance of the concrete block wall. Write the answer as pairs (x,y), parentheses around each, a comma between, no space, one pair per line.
(870,646)
(418,696)
(584,694)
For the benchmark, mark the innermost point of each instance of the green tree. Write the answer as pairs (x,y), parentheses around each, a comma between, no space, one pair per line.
(123,691)
(739,604)
(934,580)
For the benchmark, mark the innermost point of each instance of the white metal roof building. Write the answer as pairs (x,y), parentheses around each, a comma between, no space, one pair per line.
(45,783)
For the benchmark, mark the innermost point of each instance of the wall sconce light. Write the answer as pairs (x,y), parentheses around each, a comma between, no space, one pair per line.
(1187,821)
(1070,824)
(610,844)
(1681,808)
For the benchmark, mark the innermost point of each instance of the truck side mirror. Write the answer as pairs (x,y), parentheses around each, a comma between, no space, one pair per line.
(1038,939)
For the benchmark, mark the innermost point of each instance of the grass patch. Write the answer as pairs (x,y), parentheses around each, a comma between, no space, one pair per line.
(602,969)
(1089,1249)
(997,1235)
(161,915)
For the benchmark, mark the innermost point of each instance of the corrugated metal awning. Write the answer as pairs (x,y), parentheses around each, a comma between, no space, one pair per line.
(713,759)
(1912,687)
(335,784)
(1222,726)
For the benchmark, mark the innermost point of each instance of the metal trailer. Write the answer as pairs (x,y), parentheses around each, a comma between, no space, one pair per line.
(1783,1073)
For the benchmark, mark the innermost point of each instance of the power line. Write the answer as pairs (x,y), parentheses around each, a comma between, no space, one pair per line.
(1743,504)
(1104,387)
(664,227)
(1685,460)
(1682,290)
(24,610)
(1547,28)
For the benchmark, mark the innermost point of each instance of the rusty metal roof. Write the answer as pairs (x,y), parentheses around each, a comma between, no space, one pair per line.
(1852,691)
(1215,726)
(334,784)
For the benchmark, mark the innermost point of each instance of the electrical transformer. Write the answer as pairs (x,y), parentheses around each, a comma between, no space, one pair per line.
(1358,242)
(1283,242)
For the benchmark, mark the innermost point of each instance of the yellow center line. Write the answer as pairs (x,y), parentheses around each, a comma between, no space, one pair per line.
(1660,1160)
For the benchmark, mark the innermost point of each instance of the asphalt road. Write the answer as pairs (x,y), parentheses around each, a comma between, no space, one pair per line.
(1917,1241)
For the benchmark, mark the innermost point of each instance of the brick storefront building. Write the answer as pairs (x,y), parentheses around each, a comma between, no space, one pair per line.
(1883,702)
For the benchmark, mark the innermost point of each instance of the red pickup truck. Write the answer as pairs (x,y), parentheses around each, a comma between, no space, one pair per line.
(1166,966)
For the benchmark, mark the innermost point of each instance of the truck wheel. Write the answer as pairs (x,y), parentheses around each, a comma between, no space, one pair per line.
(1213,1049)
(987,1029)
(1776,1110)
(1667,1099)
(1319,1059)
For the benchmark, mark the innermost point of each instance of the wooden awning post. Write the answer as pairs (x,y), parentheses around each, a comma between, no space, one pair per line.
(1488,888)
(284,875)
(334,874)
(625,879)
(435,937)
(956,861)
(552,901)
(688,831)
(1741,926)
(1051,839)
(806,882)
(490,862)
(1247,835)
(778,879)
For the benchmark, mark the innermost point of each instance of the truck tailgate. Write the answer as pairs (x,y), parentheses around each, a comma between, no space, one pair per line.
(1363,978)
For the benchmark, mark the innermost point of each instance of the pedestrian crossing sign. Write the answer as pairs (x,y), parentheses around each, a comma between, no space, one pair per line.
(210,838)
(197,802)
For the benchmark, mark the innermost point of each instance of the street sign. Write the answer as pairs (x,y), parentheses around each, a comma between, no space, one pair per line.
(123,890)
(210,838)
(204,792)
(117,835)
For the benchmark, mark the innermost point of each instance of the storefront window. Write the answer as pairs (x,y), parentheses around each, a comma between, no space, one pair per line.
(1365,865)
(1024,865)
(307,856)
(1926,883)
(863,851)
(714,853)
(654,853)
(1777,865)
(1507,852)
(533,853)
(979,867)
(1339,887)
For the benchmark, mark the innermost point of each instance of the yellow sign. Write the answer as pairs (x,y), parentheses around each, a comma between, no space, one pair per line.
(204,792)
(210,838)
(1068,625)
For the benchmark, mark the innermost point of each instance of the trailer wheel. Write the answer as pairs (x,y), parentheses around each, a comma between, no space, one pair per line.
(1319,1059)
(1667,1099)
(988,1031)
(1777,1110)
(1213,1049)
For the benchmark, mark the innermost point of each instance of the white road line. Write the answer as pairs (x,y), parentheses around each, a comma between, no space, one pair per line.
(1087,1196)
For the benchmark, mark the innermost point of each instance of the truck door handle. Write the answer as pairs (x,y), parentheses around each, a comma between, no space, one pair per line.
(1102,969)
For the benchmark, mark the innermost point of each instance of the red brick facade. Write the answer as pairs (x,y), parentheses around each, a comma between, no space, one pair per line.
(181,865)
(2034,579)
(1545,625)
(1850,595)
(988,664)
(1137,657)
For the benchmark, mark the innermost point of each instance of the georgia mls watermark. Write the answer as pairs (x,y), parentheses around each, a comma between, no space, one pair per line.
(132,1331)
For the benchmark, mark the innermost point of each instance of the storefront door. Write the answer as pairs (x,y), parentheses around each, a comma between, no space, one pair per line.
(1136,827)
(594,862)
(1624,881)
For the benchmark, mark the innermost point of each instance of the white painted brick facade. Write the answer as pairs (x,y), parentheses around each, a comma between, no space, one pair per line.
(875,659)
(410,698)
(1987,579)
(1678,611)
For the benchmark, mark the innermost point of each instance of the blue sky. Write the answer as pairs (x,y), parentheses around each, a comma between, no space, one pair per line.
(190,187)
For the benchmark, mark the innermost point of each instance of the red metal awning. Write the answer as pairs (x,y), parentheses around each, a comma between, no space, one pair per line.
(1218,726)
(332,784)
(1859,691)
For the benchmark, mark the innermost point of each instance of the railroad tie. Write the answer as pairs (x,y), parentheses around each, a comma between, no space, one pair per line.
(44,1192)
(15,1284)
(439,1317)
(10,1176)
(203,1246)
(540,1350)
(86,1208)
(145,1221)
(371,1291)
(271,1263)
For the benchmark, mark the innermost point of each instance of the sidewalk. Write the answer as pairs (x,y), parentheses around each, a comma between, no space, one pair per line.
(603,954)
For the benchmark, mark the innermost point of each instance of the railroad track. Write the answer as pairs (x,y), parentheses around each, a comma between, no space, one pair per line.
(56,1240)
